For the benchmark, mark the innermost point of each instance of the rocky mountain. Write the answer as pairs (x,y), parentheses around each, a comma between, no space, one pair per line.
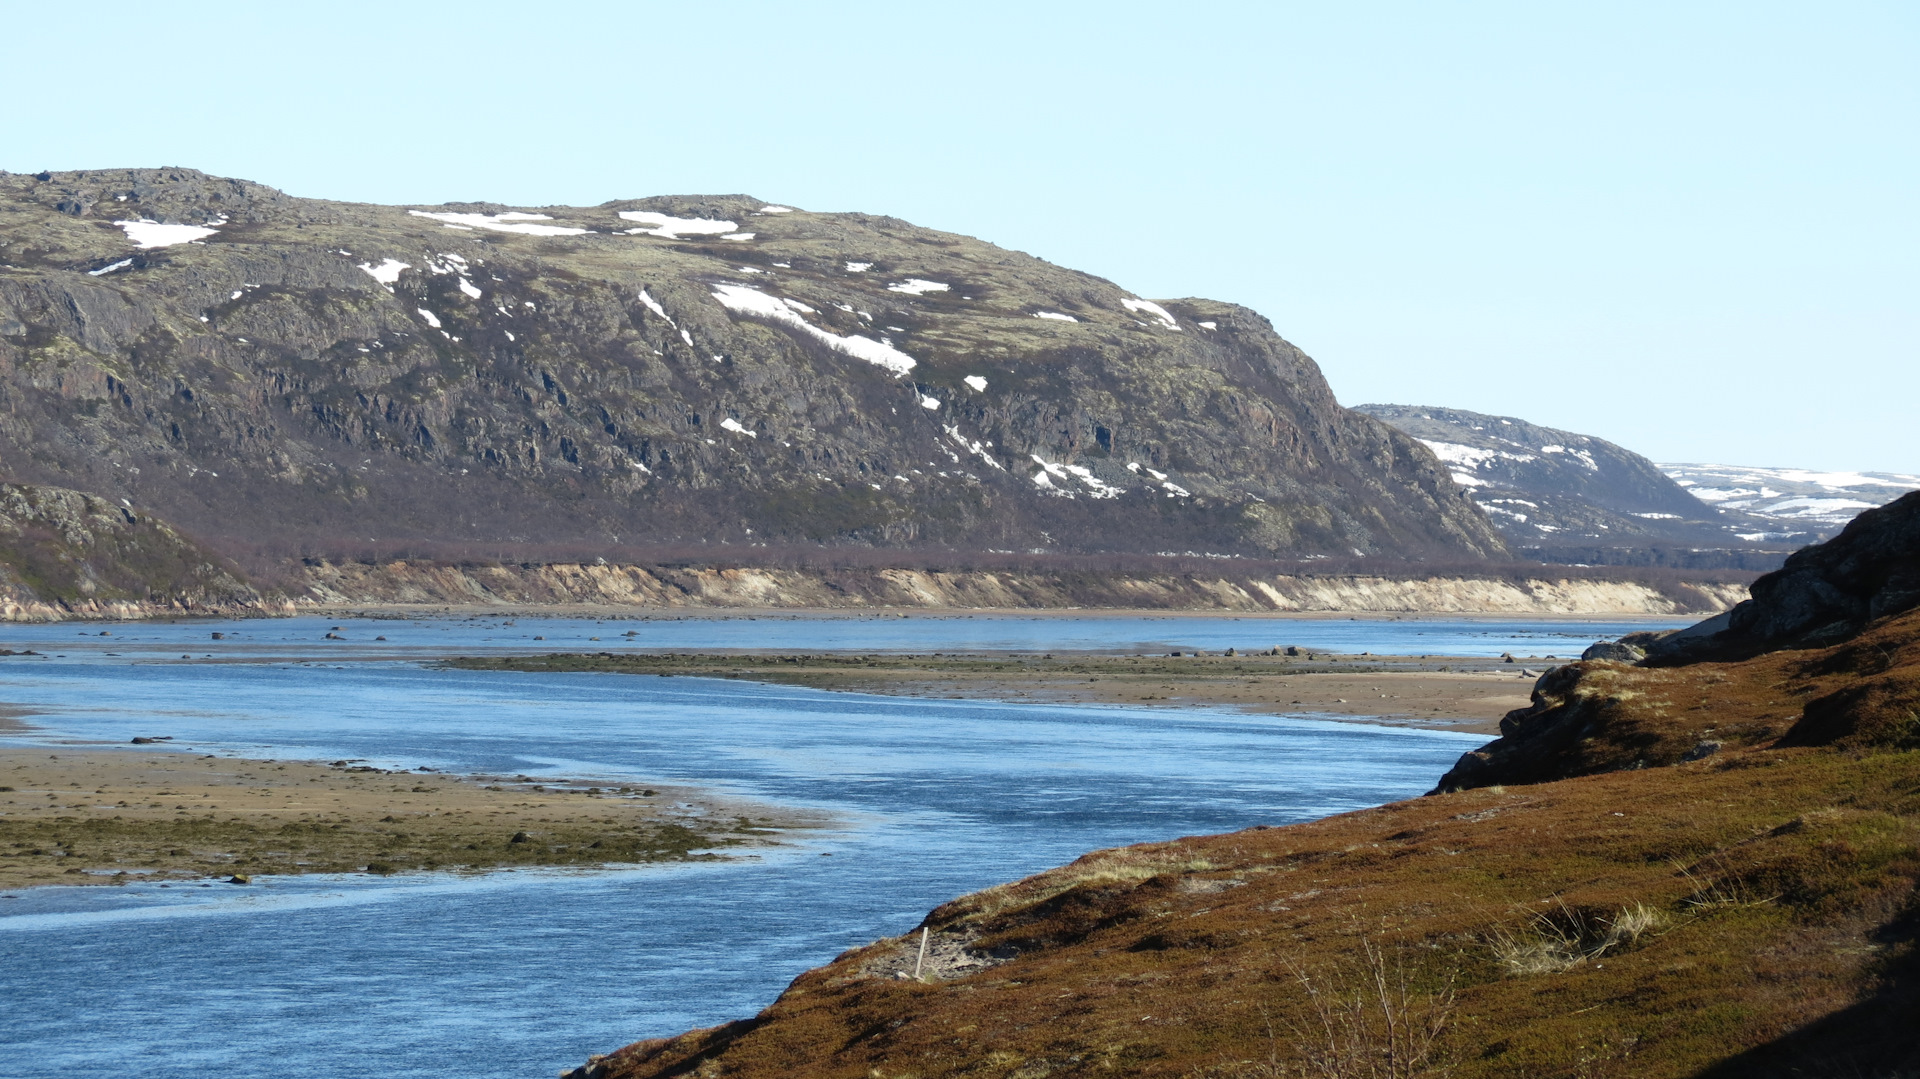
(1793,503)
(1566,497)
(297,375)
(68,554)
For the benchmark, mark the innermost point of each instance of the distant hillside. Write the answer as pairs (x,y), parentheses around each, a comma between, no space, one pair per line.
(68,554)
(295,374)
(1791,501)
(1567,497)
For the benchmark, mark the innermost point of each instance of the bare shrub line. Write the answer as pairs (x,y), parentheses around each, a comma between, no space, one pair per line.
(1371,1024)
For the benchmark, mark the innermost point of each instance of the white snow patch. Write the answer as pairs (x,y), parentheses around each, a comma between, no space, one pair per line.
(387,272)
(1472,457)
(1209,325)
(471,290)
(1174,490)
(929,402)
(1055,316)
(511,221)
(1050,471)
(914,286)
(1153,309)
(653,305)
(674,228)
(731,424)
(1585,456)
(776,209)
(1659,516)
(751,301)
(979,384)
(121,265)
(148,233)
(739,237)
(859,267)
(432,319)
(974,446)
(797,306)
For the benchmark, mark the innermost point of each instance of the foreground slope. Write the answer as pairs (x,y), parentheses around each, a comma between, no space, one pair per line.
(1698,870)
(293,373)
(1567,497)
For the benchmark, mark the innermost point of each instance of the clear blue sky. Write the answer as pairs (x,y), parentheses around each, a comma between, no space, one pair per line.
(1687,227)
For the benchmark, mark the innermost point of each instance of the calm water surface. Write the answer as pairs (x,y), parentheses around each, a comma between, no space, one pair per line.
(525,973)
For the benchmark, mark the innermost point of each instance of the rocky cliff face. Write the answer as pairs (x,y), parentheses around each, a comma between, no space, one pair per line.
(66,554)
(291,373)
(1824,594)
(1566,497)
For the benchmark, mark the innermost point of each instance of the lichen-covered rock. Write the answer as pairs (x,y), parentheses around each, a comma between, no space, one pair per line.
(1826,593)
(308,376)
(68,554)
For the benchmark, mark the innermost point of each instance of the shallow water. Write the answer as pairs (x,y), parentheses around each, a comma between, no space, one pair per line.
(524,973)
(407,638)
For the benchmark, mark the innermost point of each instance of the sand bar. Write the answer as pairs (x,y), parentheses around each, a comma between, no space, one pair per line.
(1451,693)
(86,815)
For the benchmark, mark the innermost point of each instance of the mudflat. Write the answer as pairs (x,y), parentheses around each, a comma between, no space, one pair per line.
(1450,693)
(102,815)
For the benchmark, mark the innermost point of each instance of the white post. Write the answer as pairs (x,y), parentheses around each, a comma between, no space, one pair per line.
(918,963)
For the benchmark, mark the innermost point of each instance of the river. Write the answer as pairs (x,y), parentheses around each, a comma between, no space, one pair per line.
(523,973)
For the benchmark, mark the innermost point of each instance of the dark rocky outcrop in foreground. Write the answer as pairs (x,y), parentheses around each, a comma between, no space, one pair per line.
(1824,594)
(64,553)
(1814,658)
(304,375)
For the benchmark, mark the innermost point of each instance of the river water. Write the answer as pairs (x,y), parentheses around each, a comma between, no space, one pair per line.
(523,973)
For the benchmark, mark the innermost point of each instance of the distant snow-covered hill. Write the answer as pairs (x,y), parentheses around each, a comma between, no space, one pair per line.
(1797,499)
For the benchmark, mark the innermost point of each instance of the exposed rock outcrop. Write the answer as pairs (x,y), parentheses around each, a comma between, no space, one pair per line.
(65,554)
(1824,594)
(1755,674)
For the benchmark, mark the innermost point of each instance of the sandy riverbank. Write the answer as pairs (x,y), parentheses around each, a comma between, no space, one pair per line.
(81,815)
(1450,693)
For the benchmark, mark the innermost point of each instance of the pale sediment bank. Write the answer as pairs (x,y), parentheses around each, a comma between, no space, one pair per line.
(630,587)
(89,814)
(583,588)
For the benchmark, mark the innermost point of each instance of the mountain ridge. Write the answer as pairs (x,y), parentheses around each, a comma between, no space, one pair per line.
(1563,496)
(261,368)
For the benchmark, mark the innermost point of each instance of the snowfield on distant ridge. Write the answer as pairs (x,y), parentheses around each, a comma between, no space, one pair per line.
(1153,309)
(751,301)
(914,286)
(510,221)
(675,228)
(145,233)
